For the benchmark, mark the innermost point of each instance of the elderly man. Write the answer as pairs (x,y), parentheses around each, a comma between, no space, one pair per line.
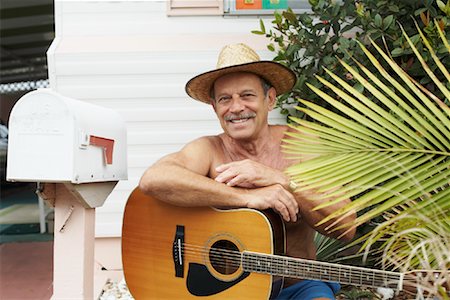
(243,166)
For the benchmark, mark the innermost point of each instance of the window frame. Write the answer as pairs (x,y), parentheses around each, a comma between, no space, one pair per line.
(223,8)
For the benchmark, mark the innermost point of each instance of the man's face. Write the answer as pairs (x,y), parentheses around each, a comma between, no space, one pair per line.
(241,105)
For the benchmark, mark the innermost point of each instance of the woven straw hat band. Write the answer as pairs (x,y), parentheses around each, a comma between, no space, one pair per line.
(236,54)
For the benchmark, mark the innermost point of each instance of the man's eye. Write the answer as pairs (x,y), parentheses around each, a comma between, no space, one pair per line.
(247,95)
(223,99)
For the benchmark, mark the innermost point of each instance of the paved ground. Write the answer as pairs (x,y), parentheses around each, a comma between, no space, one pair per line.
(26,270)
(26,256)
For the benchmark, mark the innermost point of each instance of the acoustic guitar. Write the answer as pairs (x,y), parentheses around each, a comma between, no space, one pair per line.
(172,252)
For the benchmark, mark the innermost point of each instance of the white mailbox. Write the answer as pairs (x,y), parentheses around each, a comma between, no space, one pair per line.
(53,138)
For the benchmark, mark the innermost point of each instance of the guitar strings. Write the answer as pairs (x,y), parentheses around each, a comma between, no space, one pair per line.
(217,256)
(226,258)
(223,257)
(263,263)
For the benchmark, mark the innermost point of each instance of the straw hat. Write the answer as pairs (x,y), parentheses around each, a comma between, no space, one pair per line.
(241,58)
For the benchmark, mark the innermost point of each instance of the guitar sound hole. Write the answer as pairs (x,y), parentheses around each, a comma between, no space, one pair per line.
(224,257)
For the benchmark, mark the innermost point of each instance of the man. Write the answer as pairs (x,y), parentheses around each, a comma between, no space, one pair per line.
(243,166)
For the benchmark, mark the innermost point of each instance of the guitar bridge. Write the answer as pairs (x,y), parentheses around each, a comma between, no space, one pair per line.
(177,251)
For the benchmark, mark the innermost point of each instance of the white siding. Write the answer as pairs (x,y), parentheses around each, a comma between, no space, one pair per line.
(132,57)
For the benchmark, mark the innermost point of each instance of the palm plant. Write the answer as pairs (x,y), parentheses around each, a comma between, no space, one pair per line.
(390,156)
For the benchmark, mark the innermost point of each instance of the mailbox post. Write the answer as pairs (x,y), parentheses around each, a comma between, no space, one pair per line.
(74,235)
(77,151)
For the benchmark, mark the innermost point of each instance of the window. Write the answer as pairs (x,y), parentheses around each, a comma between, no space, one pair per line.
(263,7)
(233,7)
(194,7)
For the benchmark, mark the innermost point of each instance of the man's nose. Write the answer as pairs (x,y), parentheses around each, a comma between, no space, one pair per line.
(236,103)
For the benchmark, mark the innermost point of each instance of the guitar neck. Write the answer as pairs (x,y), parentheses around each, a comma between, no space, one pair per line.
(316,270)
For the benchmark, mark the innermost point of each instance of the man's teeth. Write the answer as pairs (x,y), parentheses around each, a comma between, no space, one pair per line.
(239,120)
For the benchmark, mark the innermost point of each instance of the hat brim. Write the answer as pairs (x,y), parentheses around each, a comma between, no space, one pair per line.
(280,77)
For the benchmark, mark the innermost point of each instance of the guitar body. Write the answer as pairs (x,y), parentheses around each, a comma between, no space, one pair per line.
(168,252)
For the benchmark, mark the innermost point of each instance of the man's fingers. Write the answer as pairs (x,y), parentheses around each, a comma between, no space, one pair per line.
(291,205)
(235,181)
(283,202)
(222,168)
(275,197)
(220,178)
(283,211)
(255,174)
(226,176)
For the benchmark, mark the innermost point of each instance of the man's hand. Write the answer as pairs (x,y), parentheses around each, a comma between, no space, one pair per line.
(267,186)
(249,174)
(275,197)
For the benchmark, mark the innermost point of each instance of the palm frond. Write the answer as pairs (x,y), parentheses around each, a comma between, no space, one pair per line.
(391,156)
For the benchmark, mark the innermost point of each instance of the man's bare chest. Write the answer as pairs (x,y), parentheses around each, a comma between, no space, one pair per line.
(275,160)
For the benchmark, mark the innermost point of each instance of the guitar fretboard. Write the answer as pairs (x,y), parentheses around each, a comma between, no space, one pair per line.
(316,270)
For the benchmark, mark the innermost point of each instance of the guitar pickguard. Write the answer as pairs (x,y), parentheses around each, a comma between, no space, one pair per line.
(200,282)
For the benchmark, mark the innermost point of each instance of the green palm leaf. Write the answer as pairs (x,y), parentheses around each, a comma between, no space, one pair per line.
(391,156)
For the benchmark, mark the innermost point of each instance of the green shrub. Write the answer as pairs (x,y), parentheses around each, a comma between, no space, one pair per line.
(308,42)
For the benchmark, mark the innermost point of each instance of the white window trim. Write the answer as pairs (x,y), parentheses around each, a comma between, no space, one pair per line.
(194,7)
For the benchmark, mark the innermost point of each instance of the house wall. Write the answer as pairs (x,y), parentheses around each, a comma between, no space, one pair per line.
(132,57)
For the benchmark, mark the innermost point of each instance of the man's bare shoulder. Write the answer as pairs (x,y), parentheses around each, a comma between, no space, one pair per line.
(197,155)
(206,142)
(203,148)
(279,130)
(280,127)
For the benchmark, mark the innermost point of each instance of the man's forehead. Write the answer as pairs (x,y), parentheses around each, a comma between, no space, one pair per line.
(239,75)
(244,78)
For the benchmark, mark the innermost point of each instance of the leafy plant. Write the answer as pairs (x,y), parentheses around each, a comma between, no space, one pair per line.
(357,294)
(326,248)
(392,156)
(310,42)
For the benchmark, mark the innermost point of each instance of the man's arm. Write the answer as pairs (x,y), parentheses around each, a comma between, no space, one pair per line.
(248,173)
(308,200)
(181,179)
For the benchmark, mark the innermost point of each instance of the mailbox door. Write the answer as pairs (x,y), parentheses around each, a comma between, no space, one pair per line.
(41,135)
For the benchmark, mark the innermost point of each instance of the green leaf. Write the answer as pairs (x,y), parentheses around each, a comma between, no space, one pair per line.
(278,18)
(291,17)
(257,32)
(397,52)
(291,49)
(358,87)
(441,5)
(261,25)
(387,22)
(378,21)
(394,8)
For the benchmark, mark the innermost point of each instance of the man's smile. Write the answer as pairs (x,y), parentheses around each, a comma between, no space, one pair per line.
(239,118)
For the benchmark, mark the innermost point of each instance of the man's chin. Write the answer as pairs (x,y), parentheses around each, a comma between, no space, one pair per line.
(239,136)
(240,131)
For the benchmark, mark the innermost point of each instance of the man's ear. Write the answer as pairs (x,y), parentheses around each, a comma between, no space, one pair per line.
(213,103)
(272,97)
